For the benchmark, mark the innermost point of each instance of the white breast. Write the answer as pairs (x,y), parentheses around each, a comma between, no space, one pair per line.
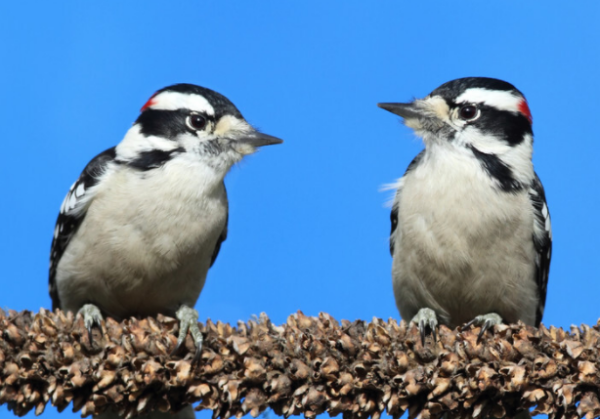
(462,247)
(146,242)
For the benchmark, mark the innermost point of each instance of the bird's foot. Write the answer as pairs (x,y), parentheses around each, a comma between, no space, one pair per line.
(91,317)
(427,322)
(485,321)
(188,320)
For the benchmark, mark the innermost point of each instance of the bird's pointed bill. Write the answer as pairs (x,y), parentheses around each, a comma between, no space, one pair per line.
(258,139)
(405,110)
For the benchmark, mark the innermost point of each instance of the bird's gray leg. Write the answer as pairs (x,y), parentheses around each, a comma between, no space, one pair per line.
(91,317)
(485,321)
(188,320)
(427,322)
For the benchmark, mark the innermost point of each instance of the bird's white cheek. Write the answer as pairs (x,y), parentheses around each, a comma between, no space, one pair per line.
(191,141)
(244,149)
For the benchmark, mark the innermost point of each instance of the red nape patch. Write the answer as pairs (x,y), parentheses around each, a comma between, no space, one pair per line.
(147,104)
(524,109)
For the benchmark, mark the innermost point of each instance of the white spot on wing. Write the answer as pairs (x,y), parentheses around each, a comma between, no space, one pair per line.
(80,190)
(72,202)
(548,227)
(64,206)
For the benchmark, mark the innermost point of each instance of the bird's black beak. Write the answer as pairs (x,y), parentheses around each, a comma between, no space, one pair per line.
(405,110)
(258,139)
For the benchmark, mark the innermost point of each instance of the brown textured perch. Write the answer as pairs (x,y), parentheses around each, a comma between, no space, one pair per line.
(307,366)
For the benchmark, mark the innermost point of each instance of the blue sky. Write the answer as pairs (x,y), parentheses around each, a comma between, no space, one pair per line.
(308,226)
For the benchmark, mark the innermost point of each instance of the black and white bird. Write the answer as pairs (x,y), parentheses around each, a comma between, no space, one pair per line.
(471,238)
(139,229)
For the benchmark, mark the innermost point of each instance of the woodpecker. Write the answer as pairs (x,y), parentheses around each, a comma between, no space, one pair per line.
(138,231)
(471,238)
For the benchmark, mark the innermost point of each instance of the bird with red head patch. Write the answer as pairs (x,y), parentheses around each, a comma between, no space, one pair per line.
(471,238)
(140,228)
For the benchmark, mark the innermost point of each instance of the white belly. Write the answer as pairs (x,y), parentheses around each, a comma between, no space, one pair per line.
(127,265)
(462,249)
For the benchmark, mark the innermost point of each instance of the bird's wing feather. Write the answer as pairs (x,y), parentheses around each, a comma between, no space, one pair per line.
(542,240)
(72,212)
(220,240)
(395,206)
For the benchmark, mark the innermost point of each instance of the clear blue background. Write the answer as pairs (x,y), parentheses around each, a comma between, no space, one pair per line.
(308,226)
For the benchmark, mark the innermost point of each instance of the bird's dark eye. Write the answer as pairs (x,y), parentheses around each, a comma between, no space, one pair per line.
(196,122)
(468,112)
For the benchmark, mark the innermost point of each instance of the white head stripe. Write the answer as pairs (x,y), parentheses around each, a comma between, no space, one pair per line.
(171,101)
(500,99)
(135,143)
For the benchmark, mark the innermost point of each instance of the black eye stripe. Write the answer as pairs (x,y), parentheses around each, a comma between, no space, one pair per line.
(166,123)
(510,126)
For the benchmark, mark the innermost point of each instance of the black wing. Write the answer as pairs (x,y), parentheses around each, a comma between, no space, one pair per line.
(542,240)
(394,213)
(71,214)
(394,221)
(221,238)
